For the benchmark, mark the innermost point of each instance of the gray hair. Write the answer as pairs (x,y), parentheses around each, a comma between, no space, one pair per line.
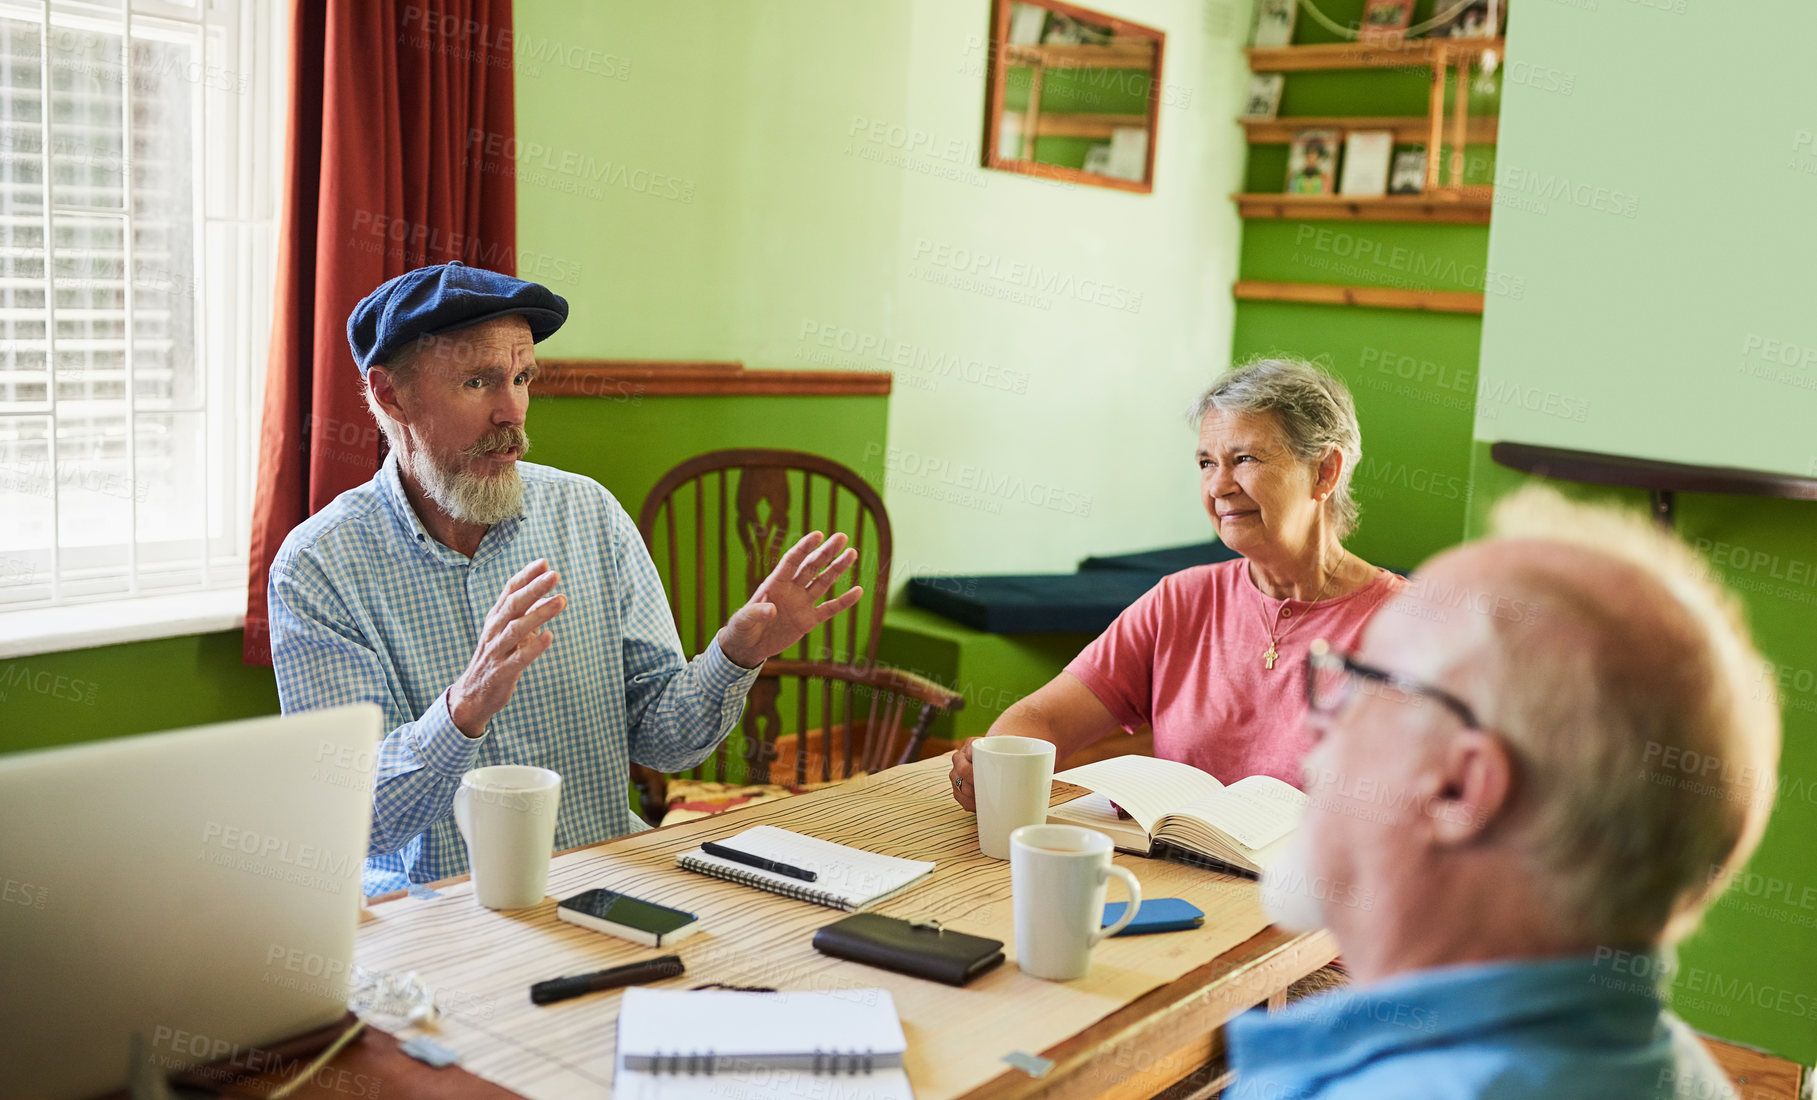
(402,366)
(1315,412)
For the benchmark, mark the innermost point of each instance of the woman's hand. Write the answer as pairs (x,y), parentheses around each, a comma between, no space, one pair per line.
(1063,711)
(961,779)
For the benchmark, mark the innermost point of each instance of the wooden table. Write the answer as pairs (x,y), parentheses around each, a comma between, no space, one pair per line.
(1148,1016)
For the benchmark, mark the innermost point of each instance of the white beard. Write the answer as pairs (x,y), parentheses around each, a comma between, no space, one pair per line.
(466,496)
(1290,888)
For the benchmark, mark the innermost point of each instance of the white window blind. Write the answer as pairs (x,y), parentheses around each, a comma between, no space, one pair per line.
(139,176)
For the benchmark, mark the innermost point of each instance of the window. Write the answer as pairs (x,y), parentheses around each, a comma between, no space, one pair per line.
(139,170)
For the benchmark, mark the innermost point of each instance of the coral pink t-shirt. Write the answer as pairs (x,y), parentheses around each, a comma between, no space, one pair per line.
(1186,659)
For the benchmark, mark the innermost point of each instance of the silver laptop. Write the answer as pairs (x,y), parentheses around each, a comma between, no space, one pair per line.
(200,888)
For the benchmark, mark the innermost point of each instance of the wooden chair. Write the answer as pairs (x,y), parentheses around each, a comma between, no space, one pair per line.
(715,526)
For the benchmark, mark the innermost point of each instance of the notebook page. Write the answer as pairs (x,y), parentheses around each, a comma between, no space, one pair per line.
(652,1021)
(851,873)
(1256,811)
(751,1025)
(1145,786)
(882,1084)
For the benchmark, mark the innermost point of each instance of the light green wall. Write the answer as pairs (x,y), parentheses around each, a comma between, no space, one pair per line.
(838,218)
(1658,166)
(1643,335)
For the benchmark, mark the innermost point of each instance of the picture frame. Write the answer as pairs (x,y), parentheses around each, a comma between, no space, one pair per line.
(1366,155)
(1312,162)
(1385,20)
(1026,24)
(1482,19)
(1264,96)
(1274,21)
(1408,175)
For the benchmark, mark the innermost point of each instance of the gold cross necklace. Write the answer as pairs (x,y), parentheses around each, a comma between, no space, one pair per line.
(1273,652)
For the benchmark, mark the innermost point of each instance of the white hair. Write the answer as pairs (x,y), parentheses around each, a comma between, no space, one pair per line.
(1315,412)
(1645,722)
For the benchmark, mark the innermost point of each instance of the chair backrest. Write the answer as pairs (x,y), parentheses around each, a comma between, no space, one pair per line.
(715,526)
(718,523)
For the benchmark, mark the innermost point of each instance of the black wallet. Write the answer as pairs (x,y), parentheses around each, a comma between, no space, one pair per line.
(922,949)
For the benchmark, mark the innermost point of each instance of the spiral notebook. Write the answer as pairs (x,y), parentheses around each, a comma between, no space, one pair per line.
(849,878)
(676,1044)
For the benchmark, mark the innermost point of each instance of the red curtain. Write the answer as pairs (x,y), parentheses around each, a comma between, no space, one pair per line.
(401,126)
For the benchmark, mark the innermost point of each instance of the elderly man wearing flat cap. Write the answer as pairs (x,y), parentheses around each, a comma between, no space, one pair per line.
(434,589)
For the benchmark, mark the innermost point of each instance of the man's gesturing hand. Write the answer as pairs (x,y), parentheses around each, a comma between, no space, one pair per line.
(787,604)
(511,638)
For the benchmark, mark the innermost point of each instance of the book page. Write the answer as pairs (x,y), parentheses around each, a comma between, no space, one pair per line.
(1255,811)
(1145,786)
(1094,811)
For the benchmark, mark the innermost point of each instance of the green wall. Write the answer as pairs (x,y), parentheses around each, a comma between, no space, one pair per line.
(627,444)
(1657,169)
(139,687)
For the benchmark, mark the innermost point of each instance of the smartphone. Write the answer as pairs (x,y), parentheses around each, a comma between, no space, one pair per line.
(1156,915)
(627,917)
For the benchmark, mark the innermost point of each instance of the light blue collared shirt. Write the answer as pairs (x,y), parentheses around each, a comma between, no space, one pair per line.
(366,606)
(1552,1029)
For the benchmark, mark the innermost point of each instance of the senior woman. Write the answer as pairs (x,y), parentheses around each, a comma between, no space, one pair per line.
(1211,656)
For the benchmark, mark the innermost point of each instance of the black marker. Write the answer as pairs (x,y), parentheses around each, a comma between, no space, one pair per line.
(650,970)
(758,862)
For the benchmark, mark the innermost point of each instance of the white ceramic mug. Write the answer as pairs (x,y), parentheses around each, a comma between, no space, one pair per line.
(1012,780)
(1057,877)
(506,814)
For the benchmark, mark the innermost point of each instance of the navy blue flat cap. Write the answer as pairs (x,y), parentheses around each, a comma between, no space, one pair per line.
(433,300)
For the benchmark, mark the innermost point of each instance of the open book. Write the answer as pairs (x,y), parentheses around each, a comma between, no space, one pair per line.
(1246,824)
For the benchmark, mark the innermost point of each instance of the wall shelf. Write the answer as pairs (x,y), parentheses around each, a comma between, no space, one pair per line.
(1465,206)
(1661,479)
(1409,130)
(625,379)
(1375,297)
(1086,125)
(1118,55)
(1414,53)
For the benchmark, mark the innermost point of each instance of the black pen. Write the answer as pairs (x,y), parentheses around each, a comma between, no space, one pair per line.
(649,970)
(758,862)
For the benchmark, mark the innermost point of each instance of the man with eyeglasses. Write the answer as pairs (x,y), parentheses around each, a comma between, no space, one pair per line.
(1514,818)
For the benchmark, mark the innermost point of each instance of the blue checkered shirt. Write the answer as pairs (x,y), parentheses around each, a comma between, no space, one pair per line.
(366,606)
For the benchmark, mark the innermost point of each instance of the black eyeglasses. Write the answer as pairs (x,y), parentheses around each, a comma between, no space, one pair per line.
(1332,676)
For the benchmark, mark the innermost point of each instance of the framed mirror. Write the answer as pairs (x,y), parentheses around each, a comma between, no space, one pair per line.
(1072,94)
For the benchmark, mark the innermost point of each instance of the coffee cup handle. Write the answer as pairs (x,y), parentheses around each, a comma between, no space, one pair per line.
(462,816)
(1134,889)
